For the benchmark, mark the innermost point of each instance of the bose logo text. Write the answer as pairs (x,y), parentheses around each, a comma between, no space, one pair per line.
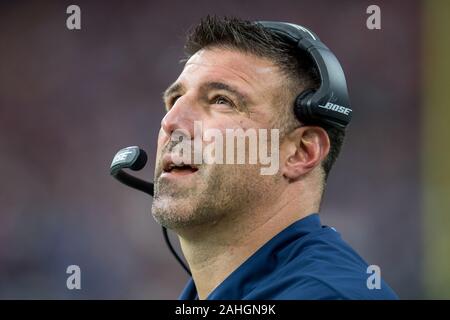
(121,156)
(336,107)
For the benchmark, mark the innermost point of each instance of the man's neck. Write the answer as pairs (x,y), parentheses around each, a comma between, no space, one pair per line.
(215,251)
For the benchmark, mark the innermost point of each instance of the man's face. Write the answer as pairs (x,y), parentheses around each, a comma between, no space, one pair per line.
(220,89)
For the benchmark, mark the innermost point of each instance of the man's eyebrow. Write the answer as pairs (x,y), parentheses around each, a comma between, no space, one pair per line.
(214,85)
(175,87)
(243,99)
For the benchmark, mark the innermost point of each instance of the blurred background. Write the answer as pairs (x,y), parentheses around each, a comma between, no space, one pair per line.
(70,99)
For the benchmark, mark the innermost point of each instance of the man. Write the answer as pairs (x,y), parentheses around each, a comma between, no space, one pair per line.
(248,235)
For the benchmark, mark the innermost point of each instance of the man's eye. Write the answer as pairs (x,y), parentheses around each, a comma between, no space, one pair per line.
(222,100)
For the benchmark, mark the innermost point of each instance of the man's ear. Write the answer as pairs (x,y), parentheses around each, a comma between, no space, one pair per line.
(304,149)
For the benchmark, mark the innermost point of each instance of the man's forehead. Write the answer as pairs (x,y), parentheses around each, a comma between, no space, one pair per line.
(257,78)
(247,66)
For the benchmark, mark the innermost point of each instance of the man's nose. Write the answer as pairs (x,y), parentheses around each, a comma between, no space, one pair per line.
(181,116)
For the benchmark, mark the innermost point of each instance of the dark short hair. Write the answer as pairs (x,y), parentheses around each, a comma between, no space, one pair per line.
(249,37)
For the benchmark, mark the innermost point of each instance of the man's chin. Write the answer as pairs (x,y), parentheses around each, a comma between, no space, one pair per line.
(182,216)
(171,212)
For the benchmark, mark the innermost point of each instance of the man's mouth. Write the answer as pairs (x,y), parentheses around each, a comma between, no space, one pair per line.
(171,168)
(182,169)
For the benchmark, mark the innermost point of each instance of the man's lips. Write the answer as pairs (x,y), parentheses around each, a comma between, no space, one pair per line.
(171,167)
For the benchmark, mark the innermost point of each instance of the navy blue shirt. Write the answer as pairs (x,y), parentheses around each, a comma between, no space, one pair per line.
(304,261)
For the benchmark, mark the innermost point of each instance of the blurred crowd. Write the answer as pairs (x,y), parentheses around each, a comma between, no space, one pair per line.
(70,99)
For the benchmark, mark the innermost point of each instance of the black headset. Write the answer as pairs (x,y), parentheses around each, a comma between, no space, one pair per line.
(328,105)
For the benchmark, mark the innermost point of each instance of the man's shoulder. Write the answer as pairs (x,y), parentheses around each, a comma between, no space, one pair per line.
(321,265)
(313,288)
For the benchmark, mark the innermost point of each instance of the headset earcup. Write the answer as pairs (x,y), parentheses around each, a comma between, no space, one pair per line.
(302,107)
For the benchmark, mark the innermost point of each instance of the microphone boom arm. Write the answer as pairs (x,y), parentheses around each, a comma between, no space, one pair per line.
(133,182)
(135,159)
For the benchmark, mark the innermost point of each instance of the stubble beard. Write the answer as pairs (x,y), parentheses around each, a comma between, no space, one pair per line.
(220,191)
